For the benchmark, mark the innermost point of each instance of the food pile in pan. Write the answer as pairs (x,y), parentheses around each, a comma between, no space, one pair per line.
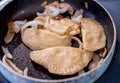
(50,35)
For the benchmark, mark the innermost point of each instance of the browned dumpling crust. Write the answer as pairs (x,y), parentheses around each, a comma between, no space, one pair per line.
(62,60)
(37,39)
(93,35)
(62,27)
(66,26)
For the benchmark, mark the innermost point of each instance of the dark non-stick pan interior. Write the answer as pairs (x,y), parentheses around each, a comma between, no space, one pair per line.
(26,9)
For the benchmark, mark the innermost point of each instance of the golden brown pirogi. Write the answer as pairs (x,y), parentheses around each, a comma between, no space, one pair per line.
(50,34)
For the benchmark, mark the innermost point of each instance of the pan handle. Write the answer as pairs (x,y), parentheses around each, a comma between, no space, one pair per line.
(3,3)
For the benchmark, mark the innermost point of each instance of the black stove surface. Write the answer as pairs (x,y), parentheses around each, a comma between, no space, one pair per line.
(112,74)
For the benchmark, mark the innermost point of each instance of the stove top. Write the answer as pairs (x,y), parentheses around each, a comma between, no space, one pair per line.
(112,74)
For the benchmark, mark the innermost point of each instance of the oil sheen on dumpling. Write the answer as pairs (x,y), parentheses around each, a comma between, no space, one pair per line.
(37,39)
(62,60)
(61,27)
(93,35)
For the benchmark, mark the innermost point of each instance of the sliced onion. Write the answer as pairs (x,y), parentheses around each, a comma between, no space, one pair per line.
(78,15)
(63,10)
(78,12)
(56,30)
(104,53)
(79,42)
(20,22)
(59,10)
(7,53)
(14,67)
(96,58)
(25,71)
(10,34)
(18,25)
(86,5)
(8,37)
(17,28)
(62,0)
(9,63)
(51,8)
(4,60)
(54,4)
(40,14)
(14,27)
(81,72)
(101,61)
(92,65)
(55,13)
(44,4)
(33,24)
(77,19)
(66,5)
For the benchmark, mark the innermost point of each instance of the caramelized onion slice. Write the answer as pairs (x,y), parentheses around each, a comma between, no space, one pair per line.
(79,42)
(68,7)
(44,4)
(20,22)
(53,11)
(6,52)
(78,15)
(13,66)
(92,65)
(9,63)
(4,61)
(56,30)
(25,71)
(17,28)
(56,9)
(103,52)
(64,26)
(96,58)
(33,24)
(10,34)
(81,72)
(86,5)
(63,10)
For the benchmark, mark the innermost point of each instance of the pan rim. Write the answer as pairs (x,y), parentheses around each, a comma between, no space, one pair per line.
(79,76)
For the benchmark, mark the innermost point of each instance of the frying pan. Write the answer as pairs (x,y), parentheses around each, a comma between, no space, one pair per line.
(26,9)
